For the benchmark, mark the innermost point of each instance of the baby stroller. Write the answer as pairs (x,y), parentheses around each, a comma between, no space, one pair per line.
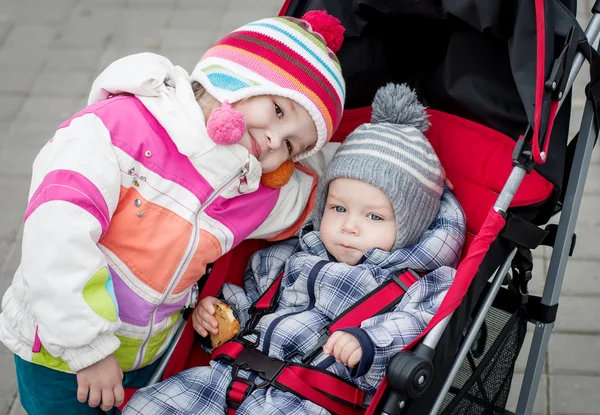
(496,76)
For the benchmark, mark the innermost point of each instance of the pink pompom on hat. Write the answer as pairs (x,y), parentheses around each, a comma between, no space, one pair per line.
(276,56)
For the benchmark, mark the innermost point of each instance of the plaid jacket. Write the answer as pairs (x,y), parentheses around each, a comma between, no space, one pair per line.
(315,290)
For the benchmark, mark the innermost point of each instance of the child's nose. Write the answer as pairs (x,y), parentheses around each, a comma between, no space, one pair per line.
(275,140)
(350,226)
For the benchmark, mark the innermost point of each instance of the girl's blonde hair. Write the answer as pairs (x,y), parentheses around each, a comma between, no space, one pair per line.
(206,101)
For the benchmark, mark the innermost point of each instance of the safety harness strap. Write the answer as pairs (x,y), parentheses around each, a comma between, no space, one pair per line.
(319,386)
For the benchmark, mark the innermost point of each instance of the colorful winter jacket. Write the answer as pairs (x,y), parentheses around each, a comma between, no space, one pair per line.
(129,201)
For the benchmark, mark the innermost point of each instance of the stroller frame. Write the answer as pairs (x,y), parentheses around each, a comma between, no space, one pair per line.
(560,253)
(395,402)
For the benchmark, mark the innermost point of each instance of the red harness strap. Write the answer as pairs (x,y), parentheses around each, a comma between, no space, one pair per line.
(324,388)
(319,386)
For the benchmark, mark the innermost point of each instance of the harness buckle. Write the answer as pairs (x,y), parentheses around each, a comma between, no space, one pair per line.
(253,360)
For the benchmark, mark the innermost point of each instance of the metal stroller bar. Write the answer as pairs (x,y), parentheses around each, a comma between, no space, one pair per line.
(558,261)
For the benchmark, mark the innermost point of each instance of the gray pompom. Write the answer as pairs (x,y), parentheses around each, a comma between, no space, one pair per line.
(398,104)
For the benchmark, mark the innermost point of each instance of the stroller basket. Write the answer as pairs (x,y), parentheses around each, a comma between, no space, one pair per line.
(484,378)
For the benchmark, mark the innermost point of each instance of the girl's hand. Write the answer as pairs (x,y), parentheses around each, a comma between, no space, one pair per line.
(101,382)
(203,318)
(344,347)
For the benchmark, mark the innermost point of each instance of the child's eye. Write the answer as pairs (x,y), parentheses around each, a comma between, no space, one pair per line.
(339,209)
(289,146)
(278,111)
(375,217)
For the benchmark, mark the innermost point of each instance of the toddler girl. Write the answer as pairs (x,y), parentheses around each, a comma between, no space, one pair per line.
(159,176)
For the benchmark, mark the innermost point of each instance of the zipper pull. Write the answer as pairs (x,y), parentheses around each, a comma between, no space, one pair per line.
(243,185)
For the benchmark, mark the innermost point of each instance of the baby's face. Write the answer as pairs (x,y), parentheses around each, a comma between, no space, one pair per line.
(277,129)
(357,218)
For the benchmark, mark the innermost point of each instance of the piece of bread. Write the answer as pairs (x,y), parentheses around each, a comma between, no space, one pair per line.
(228,326)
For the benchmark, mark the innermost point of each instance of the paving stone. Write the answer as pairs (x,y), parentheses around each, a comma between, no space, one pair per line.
(29,35)
(186,60)
(236,17)
(28,57)
(199,17)
(72,58)
(9,106)
(142,38)
(592,181)
(14,193)
(188,40)
(204,4)
(5,404)
(77,32)
(574,395)
(8,384)
(596,155)
(137,18)
(63,83)
(4,130)
(160,4)
(574,354)
(4,30)
(578,315)
(15,80)
(582,278)
(11,263)
(17,409)
(587,247)
(588,211)
(21,146)
(57,109)
(521,362)
(540,407)
(56,13)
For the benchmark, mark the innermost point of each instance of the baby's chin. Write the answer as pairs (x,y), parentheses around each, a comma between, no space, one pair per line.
(348,259)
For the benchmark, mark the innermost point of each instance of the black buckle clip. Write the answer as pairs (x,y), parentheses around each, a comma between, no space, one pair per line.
(559,75)
(253,360)
(522,268)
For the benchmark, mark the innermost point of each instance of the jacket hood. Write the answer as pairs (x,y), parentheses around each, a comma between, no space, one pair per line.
(166,91)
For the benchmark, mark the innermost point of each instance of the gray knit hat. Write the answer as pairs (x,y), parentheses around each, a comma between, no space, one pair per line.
(393,154)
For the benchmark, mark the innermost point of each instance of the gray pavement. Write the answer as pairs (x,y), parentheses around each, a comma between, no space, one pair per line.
(50,51)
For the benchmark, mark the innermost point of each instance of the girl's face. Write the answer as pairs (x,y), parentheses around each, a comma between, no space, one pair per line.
(277,129)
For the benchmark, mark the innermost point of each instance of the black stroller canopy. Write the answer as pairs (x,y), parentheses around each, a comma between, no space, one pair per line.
(478,59)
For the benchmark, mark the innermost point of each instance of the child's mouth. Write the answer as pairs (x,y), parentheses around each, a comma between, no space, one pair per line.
(256,151)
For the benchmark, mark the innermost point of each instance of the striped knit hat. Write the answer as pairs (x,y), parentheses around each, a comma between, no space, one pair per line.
(393,155)
(283,57)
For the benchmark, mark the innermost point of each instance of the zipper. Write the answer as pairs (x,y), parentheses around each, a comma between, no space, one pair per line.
(240,175)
